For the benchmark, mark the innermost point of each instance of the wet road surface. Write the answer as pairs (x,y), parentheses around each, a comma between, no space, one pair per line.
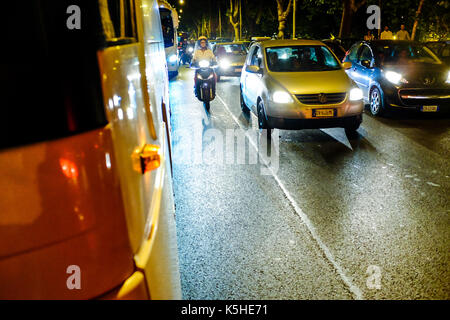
(328,218)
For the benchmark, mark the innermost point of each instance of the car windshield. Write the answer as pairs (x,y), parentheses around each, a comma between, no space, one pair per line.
(404,53)
(237,48)
(301,59)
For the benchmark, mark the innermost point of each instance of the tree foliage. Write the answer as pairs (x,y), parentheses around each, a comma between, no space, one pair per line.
(317,19)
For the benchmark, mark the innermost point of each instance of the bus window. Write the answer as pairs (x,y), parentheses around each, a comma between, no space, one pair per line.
(167,27)
(119,21)
(50,80)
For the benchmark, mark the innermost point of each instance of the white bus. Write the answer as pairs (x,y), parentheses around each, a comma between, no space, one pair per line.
(169,24)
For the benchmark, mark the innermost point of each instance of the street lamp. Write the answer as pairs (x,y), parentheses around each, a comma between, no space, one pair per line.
(181,1)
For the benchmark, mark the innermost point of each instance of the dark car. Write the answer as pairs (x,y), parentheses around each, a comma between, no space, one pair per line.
(399,75)
(231,57)
(441,49)
(336,47)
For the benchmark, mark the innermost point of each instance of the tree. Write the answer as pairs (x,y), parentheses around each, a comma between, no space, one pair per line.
(349,9)
(233,15)
(282,16)
(416,21)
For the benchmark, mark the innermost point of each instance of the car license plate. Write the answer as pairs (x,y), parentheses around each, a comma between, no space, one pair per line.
(238,70)
(429,108)
(323,112)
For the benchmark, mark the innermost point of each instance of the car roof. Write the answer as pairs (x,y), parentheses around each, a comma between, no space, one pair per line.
(290,42)
(226,43)
(387,42)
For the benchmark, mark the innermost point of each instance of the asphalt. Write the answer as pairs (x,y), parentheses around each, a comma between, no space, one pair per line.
(329,218)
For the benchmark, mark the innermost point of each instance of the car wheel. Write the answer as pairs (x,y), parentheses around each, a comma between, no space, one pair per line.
(376,102)
(244,107)
(206,105)
(262,122)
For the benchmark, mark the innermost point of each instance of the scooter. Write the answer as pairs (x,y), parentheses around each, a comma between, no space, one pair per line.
(205,82)
(186,54)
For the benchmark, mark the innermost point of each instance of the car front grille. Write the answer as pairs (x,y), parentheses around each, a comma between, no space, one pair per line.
(321,98)
(419,97)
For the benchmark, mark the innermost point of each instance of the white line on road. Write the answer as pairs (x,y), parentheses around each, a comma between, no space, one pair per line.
(356,291)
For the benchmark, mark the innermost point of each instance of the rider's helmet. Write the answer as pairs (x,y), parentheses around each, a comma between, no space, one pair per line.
(200,40)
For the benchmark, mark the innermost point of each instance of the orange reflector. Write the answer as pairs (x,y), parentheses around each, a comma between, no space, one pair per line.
(150,157)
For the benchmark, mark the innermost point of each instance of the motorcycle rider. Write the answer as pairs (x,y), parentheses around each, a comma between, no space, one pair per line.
(202,52)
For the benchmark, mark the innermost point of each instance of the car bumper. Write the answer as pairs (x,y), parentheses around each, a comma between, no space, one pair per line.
(307,112)
(416,99)
(232,71)
(296,124)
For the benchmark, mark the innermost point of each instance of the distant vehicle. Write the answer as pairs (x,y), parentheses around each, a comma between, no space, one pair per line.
(86,184)
(222,39)
(441,49)
(399,75)
(231,57)
(169,25)
(299,84)
(336,47)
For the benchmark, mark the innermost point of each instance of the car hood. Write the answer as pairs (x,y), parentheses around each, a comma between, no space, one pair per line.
(421,73)
(313,82)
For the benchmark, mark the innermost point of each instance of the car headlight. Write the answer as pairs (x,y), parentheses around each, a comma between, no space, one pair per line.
(173,58)
(448,78)
(394,77)
(356,94)
(224,64)
(282,97)
(204,64)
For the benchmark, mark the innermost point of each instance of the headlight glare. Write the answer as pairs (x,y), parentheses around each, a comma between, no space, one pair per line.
(224,64)
(356,94)
(393,77)
(204,64)
(173,58)
(448,78)
(282,97)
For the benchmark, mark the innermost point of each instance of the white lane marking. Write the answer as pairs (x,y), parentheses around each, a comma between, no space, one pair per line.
(355,290)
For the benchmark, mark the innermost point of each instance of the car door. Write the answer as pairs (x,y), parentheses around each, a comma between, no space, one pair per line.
(365,72)
(352,56)
(252,80)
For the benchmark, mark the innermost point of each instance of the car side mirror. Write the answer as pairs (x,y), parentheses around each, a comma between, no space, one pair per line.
(347,65)
(253,69)
(366,63)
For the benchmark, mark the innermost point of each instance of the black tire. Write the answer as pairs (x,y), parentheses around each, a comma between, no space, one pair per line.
(244,108)
(206,105)
(262,122)
(351,129)
(376,102)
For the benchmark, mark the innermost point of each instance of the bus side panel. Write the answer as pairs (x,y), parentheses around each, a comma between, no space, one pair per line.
(123,96)
(61,206)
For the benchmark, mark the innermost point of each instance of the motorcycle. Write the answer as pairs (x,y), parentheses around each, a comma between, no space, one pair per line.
(186,54)
(205,82)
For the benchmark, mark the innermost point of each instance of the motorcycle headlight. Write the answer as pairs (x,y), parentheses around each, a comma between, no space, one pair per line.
(173,58)
(395,77)
(448,78)
(282,97)
(356,94)
(204,64)
(224,64)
